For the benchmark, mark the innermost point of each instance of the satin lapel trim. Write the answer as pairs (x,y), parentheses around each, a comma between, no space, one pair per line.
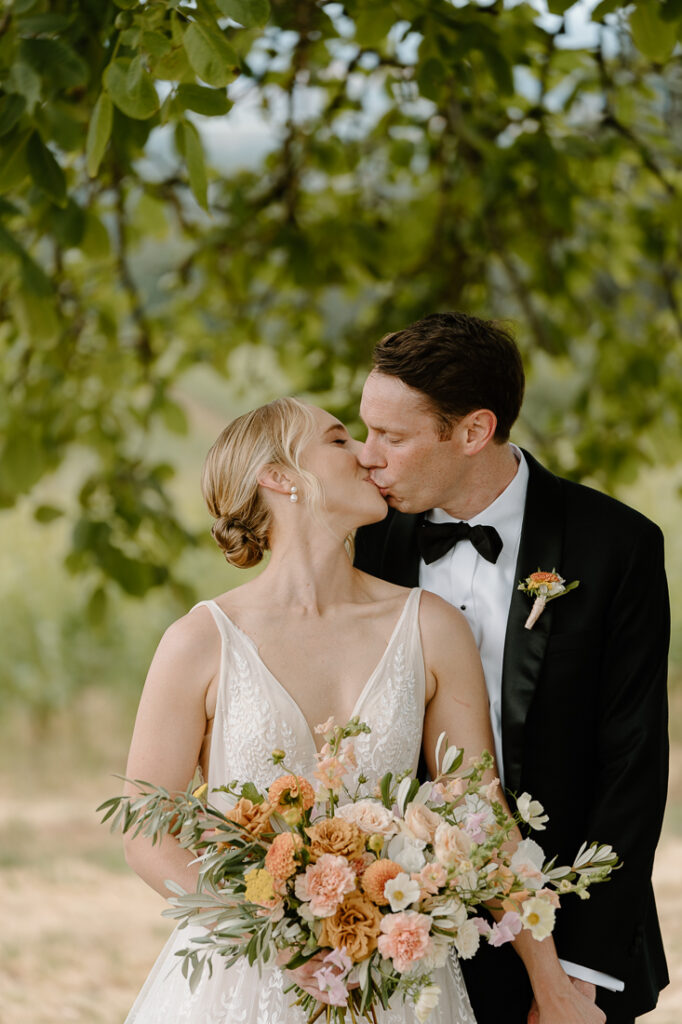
(401,556)
(524,649)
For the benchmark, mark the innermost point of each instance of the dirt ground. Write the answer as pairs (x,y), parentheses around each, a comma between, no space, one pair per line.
(80,931)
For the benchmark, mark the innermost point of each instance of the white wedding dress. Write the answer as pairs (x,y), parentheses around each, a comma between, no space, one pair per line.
(254,716)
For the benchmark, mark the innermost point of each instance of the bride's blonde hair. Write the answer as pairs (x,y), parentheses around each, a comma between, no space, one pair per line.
(273,435)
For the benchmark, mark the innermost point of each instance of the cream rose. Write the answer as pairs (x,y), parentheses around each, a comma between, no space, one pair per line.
(451,845)
(370,816)
(422,822)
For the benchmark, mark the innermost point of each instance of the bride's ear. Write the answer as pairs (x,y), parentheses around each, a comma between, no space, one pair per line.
(273,478)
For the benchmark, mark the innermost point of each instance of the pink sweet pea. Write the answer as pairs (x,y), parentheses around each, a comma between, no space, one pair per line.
(506,929)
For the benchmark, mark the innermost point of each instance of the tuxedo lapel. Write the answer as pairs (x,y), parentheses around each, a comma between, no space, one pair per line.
(524,649)
(400,561)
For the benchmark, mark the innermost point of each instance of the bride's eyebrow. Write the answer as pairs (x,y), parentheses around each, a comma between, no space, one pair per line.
(335,426)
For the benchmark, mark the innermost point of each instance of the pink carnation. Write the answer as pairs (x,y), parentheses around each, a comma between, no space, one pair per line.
(405,938)
(325,883)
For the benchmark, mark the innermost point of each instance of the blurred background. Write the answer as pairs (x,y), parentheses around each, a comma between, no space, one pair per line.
(205,206)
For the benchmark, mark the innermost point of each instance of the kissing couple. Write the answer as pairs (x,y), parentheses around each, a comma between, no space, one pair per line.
(458,536)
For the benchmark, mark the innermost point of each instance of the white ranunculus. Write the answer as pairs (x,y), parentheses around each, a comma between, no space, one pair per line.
(401,891)
(437,956)
(538,917)
(407,852)
(427,1001)
(467,940)
(531,811)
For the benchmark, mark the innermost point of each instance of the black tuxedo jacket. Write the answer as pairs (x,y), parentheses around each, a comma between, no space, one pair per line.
(584,719)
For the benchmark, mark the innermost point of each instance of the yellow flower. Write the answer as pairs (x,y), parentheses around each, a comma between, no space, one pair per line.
(201,792)
(259,886)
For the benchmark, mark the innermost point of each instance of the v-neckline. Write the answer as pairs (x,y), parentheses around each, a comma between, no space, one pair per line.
(251,643)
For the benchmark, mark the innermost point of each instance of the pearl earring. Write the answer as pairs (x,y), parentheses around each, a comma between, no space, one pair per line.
(293,493)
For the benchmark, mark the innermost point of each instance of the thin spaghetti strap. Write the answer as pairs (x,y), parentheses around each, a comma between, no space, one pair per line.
(218,615)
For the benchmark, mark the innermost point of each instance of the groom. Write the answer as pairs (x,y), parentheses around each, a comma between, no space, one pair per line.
(578,702)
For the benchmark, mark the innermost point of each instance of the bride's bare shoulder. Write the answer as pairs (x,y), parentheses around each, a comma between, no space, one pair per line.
(438,619)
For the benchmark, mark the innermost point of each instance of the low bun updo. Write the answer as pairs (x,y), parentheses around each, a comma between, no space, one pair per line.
(274,434)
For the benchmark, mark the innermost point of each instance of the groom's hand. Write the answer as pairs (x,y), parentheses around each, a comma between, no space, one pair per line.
(585,1009)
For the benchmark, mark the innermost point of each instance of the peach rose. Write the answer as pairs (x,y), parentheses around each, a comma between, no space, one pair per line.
(370,816)
(280,860)
(324,884)
(404,938)
(422,822)
(289,791)
(431,878)
(355,925)
(375,878)
(451,845)
(334,835)
(255,818)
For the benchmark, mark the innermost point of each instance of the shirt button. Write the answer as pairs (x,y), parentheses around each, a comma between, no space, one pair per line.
(463,607)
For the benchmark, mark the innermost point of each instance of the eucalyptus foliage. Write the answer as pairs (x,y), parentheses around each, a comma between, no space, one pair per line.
(420,156)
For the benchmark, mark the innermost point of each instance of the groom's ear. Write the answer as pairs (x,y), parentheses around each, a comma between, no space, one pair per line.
(478,429)
(274,478)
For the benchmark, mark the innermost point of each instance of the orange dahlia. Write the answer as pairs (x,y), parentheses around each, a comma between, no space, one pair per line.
(291,791)
(375,877)
(280,860)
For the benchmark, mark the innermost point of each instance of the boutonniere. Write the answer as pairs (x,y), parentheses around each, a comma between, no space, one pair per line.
(544,587)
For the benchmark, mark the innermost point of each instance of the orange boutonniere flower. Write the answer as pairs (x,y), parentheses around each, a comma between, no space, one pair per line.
(544,587)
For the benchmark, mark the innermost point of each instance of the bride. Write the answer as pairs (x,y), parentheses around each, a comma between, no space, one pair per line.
(258,667)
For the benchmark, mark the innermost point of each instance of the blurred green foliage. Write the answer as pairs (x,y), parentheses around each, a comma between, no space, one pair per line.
(421,156)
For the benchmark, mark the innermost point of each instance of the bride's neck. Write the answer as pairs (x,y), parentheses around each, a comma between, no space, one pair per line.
(308,570)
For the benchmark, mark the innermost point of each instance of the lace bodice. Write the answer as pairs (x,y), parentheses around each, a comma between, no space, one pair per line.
(255,714)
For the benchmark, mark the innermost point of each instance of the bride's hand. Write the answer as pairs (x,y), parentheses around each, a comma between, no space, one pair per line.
(304,976)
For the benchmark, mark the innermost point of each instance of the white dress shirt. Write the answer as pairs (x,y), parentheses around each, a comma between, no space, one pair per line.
(483,592)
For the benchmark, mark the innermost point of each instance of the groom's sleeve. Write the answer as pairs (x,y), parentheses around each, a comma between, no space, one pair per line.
(629,789)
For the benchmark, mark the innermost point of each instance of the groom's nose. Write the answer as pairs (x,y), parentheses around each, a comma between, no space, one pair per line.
(370,455)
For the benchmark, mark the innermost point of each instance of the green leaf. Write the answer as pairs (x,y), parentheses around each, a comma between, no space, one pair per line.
(47,513)
(604,8)
(131,88)
(99,131)
(194,156)
(68,224)
(249,792)
(210,102)
(249,13)
(156,44)
(43,24)
(559,6)
(13,165)
(126,5)
(651,34)
(173,67)
(24,81)
(45,171)
(11,109)
(56,62)
(209,53)
(386,789)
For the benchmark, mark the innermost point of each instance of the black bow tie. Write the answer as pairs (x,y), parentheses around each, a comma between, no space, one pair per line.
(435,539)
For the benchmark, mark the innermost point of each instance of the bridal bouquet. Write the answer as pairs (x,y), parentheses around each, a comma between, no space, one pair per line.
(360,897)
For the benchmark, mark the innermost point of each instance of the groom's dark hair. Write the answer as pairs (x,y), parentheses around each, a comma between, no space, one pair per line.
(460,363)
